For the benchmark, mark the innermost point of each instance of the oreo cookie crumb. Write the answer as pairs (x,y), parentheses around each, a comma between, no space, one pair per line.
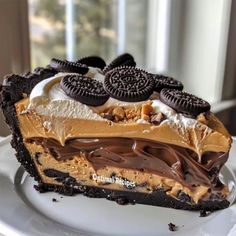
(40,188)
(55,173)
(183,197)
(172,227)
(204,213)
(54,200)
(109,117)
(37,156)
(122,201)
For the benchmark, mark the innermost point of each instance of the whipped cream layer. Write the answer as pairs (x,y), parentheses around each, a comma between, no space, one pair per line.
(48,98)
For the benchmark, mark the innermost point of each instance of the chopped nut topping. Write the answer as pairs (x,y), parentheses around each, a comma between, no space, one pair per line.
(118,113)
(158,118)
(108,110)
(145,117)
(122,114)
(202,119)
(146,109)
(130,113)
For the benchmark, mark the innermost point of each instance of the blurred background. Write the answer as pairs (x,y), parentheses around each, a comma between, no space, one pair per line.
(191,40)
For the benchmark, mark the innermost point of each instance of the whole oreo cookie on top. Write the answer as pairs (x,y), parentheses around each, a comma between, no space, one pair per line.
(67,66)
(184,102)
(123,60)
(93,61)
(162,81)
(128,84)
(84,89)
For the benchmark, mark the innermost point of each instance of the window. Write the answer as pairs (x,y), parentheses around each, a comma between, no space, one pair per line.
(193,41)
(73,28)
(184,39)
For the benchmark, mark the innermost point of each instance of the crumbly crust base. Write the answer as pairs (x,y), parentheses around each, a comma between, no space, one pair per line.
(157,198)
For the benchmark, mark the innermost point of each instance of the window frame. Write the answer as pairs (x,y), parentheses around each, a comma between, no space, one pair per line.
(15,43)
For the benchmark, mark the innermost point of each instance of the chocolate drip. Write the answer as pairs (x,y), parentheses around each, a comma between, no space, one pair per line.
(171,161)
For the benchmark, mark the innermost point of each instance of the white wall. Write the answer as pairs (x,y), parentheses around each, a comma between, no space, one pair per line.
(14,42)
(195,43)
(201,42)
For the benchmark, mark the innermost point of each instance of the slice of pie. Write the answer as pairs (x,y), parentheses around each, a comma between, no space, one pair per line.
(117,132)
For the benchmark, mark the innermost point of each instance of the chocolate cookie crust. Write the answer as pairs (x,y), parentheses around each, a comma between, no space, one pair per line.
(11,91)
(157,198)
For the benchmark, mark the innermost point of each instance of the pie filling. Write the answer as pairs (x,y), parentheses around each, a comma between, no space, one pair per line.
(130,164)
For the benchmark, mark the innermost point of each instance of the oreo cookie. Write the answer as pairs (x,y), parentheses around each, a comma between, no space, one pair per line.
(45,71)
(84,89)
(184,102)
(128,84)
(123,60)
(162,81)
(93,61)
(67,66)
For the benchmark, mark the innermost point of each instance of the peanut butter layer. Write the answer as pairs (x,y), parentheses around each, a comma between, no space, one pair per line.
(114,178)
(206,135)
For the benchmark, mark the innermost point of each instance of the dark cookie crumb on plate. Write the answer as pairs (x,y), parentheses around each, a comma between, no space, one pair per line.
(204,213)
(172,227)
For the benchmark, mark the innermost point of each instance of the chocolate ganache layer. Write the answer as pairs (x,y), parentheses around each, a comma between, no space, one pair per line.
(171,161)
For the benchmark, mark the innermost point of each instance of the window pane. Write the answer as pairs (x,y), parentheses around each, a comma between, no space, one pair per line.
(136,29)
(47,28)
(96,28)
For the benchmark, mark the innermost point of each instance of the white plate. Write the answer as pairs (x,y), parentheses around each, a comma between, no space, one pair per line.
(25,212)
